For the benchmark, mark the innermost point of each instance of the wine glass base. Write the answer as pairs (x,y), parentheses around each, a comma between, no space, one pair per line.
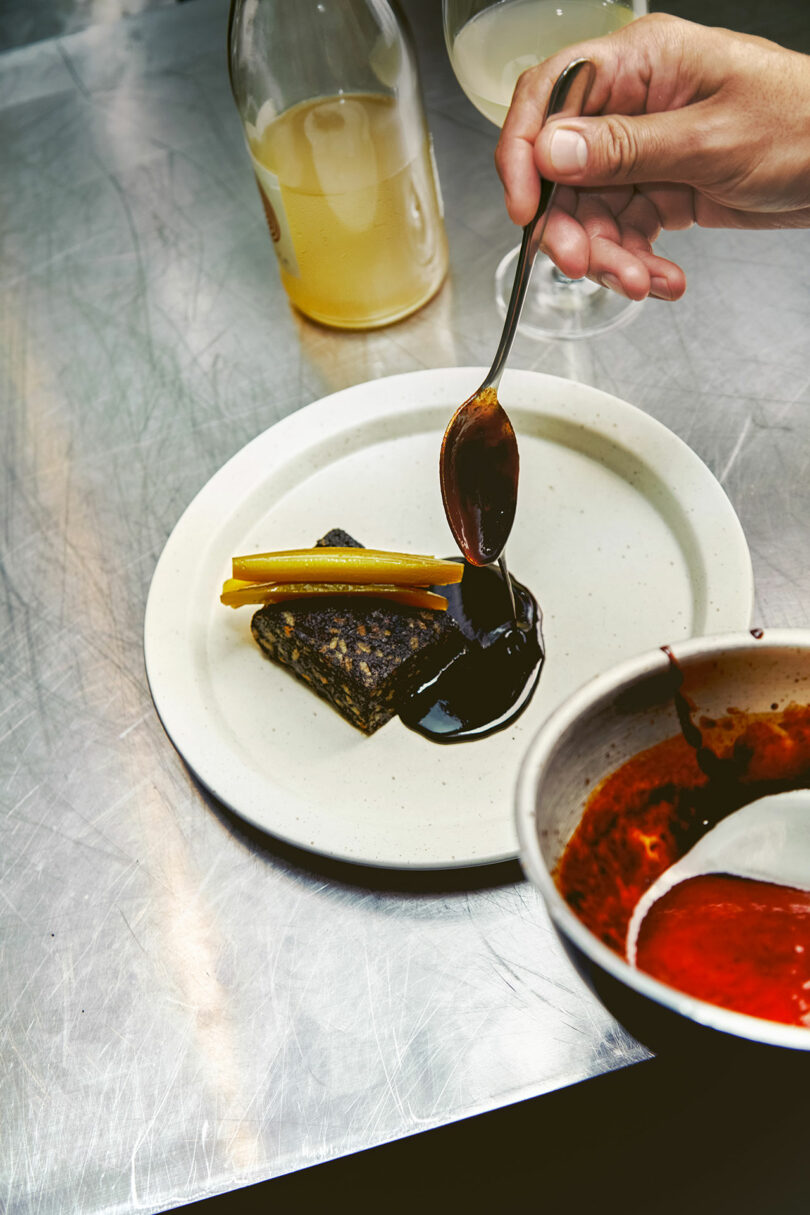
(560,307)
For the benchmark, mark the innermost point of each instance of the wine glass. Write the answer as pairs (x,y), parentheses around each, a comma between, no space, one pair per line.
(490,42)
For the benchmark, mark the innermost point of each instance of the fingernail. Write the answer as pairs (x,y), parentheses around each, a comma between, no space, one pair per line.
(610,280)
(568,151)
(659,287)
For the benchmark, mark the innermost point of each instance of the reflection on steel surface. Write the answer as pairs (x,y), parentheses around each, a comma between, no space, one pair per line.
(186,1008)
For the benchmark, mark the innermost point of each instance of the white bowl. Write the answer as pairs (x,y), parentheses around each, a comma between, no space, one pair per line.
(599,727)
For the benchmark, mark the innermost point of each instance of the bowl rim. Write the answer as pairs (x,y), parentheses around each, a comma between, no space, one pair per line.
(537,756)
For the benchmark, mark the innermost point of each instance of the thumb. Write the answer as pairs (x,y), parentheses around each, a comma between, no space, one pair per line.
(618,149)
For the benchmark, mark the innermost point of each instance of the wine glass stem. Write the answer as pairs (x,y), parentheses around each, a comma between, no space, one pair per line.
(562,279)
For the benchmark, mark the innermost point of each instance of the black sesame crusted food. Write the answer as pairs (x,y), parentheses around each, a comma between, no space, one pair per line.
(337,538)
(364,657)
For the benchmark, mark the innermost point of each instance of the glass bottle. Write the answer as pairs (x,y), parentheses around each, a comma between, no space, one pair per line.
(328,92)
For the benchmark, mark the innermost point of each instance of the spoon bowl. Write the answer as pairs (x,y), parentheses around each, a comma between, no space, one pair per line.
(478,470)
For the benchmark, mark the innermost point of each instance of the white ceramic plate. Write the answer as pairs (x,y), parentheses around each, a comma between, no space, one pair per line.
(623,534)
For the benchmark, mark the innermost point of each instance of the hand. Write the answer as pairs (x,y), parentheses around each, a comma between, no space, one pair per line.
(684,125)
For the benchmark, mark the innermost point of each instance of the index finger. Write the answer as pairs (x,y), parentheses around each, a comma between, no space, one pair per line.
(515,152)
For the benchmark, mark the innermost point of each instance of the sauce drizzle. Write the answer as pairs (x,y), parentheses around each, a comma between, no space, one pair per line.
(491,682)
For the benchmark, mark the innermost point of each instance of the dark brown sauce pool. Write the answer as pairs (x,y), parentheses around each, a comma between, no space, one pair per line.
(489,684)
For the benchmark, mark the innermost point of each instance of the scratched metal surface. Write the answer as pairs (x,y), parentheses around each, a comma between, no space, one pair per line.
(185,1007)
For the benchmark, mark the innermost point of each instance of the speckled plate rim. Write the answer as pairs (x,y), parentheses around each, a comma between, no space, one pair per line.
(174,659)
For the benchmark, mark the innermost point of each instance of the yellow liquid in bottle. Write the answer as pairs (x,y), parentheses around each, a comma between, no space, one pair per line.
(361,217)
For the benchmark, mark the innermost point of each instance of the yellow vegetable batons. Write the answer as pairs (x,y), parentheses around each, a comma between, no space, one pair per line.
(347,565)
(237,592)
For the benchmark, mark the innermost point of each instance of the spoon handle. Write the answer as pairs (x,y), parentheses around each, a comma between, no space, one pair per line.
(568,96)
(528,249)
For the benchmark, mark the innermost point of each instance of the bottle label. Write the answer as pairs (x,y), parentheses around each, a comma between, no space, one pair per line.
(270,190)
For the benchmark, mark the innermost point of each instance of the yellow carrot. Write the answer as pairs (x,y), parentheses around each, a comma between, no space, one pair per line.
(347,565)
(238,592)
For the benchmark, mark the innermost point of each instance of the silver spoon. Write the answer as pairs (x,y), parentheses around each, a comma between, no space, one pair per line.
(768,840)
(478,464)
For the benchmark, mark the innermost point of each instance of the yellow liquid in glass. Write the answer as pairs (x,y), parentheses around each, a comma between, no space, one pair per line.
(361,209)
(492,49)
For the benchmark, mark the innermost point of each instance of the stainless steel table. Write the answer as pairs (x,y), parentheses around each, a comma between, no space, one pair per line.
(188,1007)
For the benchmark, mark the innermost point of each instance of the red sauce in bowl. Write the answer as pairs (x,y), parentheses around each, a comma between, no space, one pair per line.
(649,812)
(732,941)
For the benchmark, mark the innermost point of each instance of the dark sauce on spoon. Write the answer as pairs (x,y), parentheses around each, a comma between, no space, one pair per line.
(490,683)
(478,471)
